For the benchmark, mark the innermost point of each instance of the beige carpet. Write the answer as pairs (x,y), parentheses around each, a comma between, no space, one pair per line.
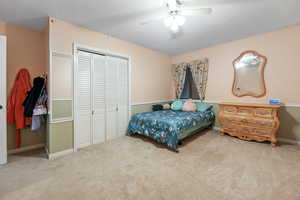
(208,167)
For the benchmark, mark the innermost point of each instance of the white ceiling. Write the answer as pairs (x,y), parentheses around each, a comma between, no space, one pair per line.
(230,20)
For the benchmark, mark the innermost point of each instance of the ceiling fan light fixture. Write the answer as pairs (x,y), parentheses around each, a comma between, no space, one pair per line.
(176,14)
(174,28)
(174,22)
(180,20)
(168,21)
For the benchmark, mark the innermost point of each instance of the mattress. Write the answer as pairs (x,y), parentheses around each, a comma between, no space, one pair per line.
(168,126)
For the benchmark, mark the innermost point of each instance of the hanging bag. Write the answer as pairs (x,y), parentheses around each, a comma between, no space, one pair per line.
(40,107)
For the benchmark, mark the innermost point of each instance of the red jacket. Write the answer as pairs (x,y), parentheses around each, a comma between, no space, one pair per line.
(15,109)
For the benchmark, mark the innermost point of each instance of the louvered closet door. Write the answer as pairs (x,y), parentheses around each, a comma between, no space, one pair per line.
(98,79)
(111,94)
(122,97)
(84,100)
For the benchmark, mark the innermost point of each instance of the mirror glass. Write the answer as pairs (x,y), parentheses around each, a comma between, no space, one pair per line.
(249,75)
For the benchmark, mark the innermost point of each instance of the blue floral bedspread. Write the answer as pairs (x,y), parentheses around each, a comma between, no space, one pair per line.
(164,126)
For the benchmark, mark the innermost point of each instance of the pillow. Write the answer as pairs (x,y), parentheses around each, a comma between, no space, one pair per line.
(189,106)
(157,107)
(202,107)
(177,105)
(166,106)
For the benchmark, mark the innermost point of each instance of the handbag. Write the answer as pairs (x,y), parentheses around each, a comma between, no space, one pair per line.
(41,104)
(40,110)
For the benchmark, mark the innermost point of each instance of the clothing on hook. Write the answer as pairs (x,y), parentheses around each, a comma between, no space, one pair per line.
(33,95)
(15,109)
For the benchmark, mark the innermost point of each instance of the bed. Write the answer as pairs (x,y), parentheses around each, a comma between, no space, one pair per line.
(168,126)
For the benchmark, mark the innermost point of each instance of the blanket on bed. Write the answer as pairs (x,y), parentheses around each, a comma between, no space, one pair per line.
(164,126)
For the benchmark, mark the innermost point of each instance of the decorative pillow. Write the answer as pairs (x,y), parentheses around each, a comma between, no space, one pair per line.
(202,107)
(177,105)
(166,106)
(189,106)
(157,107)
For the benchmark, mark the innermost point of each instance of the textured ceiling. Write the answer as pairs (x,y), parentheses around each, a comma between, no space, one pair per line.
(230,20)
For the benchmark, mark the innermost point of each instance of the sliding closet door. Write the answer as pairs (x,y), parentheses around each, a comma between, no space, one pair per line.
(111,93)
(122,96)
(98,80)
(84,99)
(101,98)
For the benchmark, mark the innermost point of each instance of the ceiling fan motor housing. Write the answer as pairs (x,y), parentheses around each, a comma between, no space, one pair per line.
(179,2)
(173,5)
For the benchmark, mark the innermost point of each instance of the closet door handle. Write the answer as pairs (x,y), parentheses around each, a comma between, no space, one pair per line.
(1,107)
(117,109)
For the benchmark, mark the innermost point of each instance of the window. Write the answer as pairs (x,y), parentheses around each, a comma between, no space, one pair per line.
(189,90)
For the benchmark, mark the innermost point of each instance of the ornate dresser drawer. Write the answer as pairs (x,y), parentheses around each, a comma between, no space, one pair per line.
(230,109)
(263,112)
(250,121)
(245,111)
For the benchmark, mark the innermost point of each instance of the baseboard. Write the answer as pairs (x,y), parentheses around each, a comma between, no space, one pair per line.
(53,156)
(289,141)
(24,149)
(47,150)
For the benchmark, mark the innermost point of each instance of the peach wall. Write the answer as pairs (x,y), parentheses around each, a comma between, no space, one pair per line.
(151,72)
(25,49)
(2,28)
(46,47)
(282,48)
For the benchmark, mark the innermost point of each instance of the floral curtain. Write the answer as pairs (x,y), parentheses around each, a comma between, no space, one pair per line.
(179,72)
(199,70)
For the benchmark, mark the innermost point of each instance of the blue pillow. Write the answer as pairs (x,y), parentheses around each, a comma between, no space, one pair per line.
(202,107)
(177,105)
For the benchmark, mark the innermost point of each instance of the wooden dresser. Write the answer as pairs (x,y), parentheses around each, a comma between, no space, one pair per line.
(250,121)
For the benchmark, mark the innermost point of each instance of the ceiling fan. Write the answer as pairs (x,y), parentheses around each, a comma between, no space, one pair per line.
(176,14)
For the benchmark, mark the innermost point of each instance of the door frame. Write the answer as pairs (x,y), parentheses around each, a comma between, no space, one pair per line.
(3,127)
(76,48)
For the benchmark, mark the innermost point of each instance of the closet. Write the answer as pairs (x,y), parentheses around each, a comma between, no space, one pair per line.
(101,97)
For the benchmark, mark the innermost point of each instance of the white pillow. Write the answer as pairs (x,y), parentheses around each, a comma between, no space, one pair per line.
(189,106)
(166,106)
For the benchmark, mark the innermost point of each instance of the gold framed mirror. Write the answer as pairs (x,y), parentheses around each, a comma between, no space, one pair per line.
(249,75)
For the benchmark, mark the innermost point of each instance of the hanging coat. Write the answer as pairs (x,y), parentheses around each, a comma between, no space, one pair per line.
(15,109)
(34,94)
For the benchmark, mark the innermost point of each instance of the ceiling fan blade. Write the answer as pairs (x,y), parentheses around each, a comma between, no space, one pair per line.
(199,11)
(152,20)
(214,2)
(145,23)
(153,16)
